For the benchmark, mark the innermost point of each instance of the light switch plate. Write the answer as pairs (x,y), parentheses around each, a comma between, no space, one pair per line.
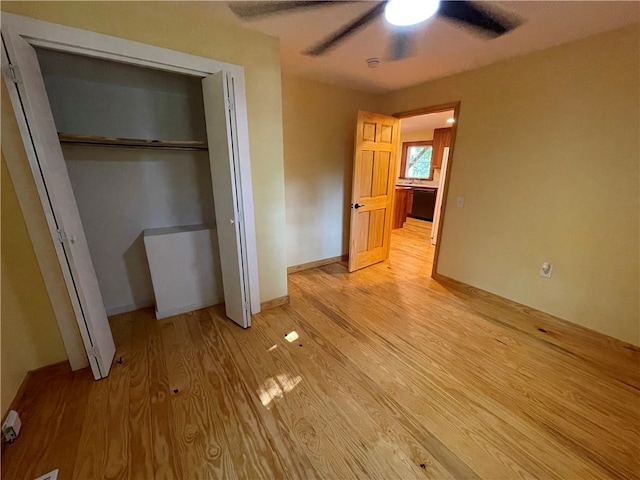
(460,202)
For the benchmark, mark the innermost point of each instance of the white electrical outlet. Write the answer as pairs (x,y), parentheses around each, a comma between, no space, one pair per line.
(460,202)
(11,426)
(53,475)
(546,270)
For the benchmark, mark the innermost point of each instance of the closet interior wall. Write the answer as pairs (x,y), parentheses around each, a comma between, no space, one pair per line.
(122,191)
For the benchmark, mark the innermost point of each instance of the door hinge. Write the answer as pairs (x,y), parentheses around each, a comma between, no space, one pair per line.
(62,236)
(93,351)
(230,104)
(12,71)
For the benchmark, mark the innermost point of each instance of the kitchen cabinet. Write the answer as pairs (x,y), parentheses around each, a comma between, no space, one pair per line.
(410,201)
(441,139)
(413,202)
(401,206)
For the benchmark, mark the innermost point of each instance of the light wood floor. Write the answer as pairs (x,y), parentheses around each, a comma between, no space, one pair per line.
(393,375)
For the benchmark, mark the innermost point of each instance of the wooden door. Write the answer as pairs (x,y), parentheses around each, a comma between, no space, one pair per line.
(374,173)
(221,136)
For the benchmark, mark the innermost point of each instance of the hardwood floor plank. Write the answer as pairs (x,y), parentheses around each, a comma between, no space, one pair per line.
(244,434)
(310,428)
(294,459)
(476,348)
(373,315)
(373,410)
(441,410)
(104,442)
(564,409)
(389,374)
(166,459)
(201,441)
(371,446)
(72,419)
(140,458)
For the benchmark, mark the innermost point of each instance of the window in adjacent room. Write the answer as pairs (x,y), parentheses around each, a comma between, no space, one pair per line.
(416,160)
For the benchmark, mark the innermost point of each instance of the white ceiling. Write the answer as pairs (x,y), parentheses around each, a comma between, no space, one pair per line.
(442,48)
(426,122)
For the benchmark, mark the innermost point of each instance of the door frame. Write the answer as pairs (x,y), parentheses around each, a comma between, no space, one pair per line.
(455,106)
(23,32)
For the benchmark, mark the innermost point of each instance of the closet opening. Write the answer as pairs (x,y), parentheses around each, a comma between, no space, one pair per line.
(134,142)
(153,131)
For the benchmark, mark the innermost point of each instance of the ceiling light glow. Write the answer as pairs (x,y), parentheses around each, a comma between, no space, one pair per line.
(403,13)
(451,120)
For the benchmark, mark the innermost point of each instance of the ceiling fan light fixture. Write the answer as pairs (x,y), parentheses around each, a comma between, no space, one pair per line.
(403,13)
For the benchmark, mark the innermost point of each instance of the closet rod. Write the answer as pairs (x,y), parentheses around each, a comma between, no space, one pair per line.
(94,140)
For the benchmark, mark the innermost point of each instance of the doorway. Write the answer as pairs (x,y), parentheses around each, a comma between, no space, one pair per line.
(125,190)
(378,178)
(425,149)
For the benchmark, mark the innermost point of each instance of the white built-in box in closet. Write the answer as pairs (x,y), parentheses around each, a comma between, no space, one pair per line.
(120,192)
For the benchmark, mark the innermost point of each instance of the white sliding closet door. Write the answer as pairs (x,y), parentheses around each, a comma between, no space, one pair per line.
(219,110)
(33,112)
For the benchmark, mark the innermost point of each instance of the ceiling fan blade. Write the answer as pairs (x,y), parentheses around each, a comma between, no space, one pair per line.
(255,10)
(402,45)
(482,19)
(334,39)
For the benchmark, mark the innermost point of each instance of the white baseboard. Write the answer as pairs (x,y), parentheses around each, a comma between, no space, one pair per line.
(130,308)
(169,312)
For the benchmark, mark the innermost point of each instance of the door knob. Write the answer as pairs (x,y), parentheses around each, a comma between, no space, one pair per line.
(356,206)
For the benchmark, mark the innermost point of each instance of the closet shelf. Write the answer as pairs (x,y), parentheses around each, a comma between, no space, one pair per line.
(95,140)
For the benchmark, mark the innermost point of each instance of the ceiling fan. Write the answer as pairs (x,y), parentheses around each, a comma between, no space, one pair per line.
(400,14)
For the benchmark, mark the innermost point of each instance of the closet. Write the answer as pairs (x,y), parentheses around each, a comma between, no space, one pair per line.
(116,135)
(134,142)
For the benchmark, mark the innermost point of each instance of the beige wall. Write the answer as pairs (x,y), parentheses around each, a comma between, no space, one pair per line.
(423,135)
(177,26)
(547,157)
(30,336)
(319,128)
